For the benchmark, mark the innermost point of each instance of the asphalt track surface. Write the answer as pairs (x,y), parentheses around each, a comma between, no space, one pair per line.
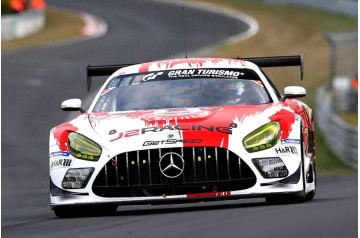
(35,82)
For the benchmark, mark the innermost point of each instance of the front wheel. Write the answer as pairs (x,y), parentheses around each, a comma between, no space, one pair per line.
(284,199)
(311,178)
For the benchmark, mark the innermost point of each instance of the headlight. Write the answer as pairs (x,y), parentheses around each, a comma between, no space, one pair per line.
(263,137)
(82,147)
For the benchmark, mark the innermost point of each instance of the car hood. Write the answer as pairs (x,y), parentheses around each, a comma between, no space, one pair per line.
(207,126)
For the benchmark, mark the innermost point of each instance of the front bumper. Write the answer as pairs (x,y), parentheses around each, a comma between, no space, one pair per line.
(209,174)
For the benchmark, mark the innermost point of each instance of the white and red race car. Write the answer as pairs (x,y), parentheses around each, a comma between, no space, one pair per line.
(183,130)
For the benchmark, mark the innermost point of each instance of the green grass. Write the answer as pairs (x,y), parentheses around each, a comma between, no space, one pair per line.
(350,117)
(5,7)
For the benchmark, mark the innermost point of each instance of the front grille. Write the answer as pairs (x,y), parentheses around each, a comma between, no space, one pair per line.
(206,169)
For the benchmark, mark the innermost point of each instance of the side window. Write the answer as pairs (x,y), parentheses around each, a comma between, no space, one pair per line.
(277,93)
(106,102)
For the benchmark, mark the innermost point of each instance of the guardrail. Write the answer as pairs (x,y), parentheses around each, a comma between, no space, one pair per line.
(340,137)
(14,26)
(347,7)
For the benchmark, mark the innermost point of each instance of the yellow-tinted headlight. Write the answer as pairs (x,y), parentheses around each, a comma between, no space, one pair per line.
(82,147)
(263,137)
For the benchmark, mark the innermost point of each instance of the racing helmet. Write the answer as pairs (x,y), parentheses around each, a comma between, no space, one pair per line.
(233,92)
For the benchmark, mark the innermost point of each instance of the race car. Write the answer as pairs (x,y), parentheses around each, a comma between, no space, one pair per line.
(183,130)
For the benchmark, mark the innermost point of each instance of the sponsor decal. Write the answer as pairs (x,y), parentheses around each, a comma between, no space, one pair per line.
(290,141)
(59,153)
(171,142)
(207,73)
(164,73)
(221,129)
(151,76)
(60,163)
(286,150)
(211,194)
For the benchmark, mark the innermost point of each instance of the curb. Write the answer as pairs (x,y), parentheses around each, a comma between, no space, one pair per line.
(94,26)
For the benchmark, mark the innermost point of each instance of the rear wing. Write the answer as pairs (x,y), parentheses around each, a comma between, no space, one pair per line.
(262,62)
(279,61)
(101,70)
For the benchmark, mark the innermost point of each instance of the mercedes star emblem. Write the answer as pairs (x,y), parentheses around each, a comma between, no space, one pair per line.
(171,165)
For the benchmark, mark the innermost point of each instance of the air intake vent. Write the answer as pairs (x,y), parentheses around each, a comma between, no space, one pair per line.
(172,172)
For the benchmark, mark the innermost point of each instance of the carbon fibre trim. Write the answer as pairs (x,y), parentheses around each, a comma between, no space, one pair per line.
(292,179)
(56,191)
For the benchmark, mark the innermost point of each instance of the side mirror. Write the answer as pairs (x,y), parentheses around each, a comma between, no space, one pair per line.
(72,105)
(293,92)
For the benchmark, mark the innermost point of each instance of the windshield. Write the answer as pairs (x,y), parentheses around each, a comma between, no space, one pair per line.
(182,88)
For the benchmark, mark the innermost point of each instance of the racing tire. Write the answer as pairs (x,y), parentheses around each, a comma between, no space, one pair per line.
(284,199)
(310,195)
(85,211)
